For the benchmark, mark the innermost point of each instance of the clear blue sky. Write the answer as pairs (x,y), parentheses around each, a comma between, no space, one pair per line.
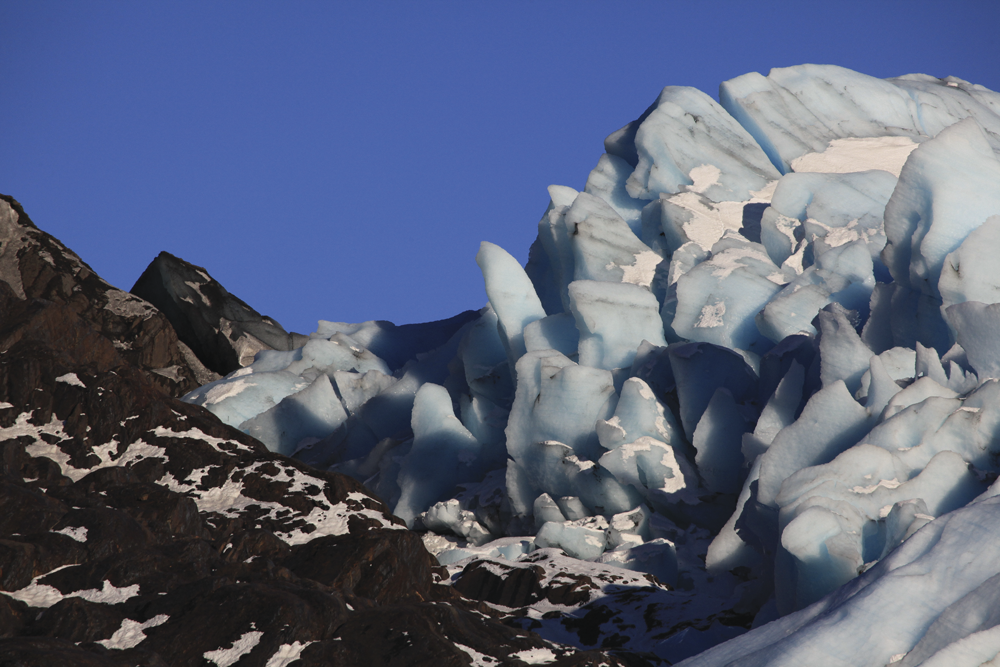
(343,160)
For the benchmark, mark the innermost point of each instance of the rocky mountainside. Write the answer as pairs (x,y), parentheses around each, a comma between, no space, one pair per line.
(136,529)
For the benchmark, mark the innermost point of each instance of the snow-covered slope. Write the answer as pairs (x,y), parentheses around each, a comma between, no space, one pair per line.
(755,357)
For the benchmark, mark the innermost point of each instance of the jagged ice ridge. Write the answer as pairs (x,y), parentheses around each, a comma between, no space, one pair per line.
(764,333)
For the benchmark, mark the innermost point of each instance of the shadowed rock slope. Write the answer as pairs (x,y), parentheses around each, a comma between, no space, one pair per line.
(223,331)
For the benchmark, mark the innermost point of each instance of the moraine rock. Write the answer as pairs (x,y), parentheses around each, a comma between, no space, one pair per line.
(223,331)
(136,529)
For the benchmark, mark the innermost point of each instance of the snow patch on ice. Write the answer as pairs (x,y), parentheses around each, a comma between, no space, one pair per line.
(641,271)
(226,390)
(703,177)
(726,262)
(843,156)
(711,315)
(711,220)
(885,483)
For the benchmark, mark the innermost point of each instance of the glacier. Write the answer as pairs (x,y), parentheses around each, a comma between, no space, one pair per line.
(754,357)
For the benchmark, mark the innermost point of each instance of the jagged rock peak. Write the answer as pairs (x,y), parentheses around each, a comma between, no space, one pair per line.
(222,330)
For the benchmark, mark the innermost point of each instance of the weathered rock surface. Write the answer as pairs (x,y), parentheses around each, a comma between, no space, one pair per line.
(35,265)
(223,331)
(136,529)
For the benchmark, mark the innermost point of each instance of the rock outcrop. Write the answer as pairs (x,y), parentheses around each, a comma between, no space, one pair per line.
(35,265)
(223,331)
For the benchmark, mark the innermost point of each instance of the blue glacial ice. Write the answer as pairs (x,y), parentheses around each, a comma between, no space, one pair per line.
(756,356)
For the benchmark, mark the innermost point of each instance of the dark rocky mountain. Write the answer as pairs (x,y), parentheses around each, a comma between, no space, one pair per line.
(35,265)
(136,529)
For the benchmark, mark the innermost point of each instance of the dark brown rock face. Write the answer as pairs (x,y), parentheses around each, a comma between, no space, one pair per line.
(35,265)
(387,566)
(222,330)
(136,529)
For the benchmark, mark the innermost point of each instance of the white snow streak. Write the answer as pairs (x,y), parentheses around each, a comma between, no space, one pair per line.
(71,379)
(44,596)
(287,653)
(131,633)
(224,657)
(535,656)
(79,533)
(478,659)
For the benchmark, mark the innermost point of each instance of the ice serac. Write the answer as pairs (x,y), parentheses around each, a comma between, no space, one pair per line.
(842,275)
(552,267)
(607,181)
(558,401)
(689,132)
(604,248)
(798,110)
(511,294)
(645,445)
(397,344)
(945,192)
(699,369)
(935,564)
(613,319)
(555,332)
(638,414)
(831,422)
(843,355)
(717,300)
(817,211)
(970,272)
(443,454)
(718,440)
(756,356)
(977,324)
(313,412)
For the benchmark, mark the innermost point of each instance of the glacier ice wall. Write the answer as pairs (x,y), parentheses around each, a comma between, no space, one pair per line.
(771,320)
